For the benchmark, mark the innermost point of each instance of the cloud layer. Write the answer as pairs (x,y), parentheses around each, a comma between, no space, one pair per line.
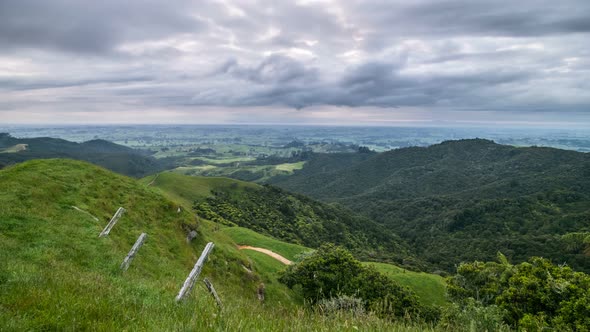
(530,58)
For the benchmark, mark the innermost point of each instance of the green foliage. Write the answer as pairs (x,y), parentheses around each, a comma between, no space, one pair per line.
(472,316)
(332,271)
(532,294)
(294,218)
(577,241)
(462,200)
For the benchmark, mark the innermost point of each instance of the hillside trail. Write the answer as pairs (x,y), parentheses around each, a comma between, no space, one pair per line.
(269,253)
(154,180)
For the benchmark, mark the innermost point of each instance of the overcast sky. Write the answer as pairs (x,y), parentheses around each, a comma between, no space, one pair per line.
(348,62)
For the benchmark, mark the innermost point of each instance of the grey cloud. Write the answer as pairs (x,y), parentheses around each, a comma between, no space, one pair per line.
(274,69)
(90,26)
(24,84)
(490,18)
(474,55)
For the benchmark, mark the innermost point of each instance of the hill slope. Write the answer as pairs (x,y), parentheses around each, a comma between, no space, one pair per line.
(57,274)
(112,156)
(283,215)
(464,200)
(430,288)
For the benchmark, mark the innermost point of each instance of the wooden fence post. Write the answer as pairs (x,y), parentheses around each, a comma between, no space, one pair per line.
(190,280)
(133,251)
(260,292)
(213,292)
(112,223)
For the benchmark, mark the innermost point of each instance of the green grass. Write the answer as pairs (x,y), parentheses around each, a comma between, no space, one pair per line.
(290,167)
(245,236)
(430,288)
(187,190)
(225,160)
(57,274)
(185,169)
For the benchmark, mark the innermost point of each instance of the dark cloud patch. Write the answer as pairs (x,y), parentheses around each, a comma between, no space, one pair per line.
(91,26)
(27,84)
(488,18)
(378,84)
(274,69)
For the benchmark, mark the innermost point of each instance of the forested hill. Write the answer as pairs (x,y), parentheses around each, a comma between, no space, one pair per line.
(464,200)
(112,156)
(286,216)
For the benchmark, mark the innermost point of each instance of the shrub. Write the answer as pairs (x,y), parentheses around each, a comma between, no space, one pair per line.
(332,272)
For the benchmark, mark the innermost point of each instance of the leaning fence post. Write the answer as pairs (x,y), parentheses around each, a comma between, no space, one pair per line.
(190,280)
(133,251)
(112,223)
(213,292)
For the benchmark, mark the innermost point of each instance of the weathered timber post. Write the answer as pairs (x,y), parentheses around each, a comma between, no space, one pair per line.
(112,223)
(190,280)
(133,251)
(260,292)
(213,292)
(191,236)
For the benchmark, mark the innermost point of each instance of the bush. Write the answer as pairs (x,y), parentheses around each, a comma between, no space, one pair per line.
(332,272)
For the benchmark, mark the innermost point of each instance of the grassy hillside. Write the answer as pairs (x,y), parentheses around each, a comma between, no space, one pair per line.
(463,200)
(188,189)
(57,274)
(112,156)
(289,217)
(245,236)
(429,288)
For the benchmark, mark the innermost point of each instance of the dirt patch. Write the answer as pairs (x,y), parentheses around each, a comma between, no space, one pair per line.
(269,253)
(154,180)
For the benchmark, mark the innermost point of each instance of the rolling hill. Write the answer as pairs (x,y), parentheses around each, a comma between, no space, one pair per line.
(112,156)
(463,200)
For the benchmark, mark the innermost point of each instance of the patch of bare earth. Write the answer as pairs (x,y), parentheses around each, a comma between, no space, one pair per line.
(269,253)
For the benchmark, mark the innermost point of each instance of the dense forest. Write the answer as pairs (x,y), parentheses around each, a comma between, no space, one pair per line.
(463,200)
(297,219)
